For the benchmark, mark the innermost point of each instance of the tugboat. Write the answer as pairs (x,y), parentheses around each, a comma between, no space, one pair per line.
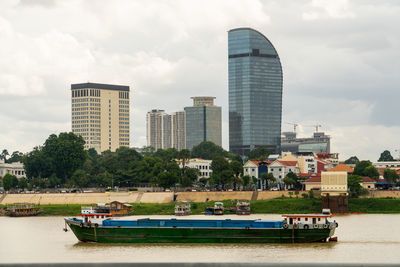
(218,209)
(182,209)
(295,228)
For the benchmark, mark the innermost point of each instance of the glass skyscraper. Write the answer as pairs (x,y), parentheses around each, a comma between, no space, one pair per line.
(255,92)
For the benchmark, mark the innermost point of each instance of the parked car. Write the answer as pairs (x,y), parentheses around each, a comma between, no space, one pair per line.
(274,189)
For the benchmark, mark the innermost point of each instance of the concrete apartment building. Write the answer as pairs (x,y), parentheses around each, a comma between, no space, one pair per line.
(158,129)
(100,114)
(178,135)
(203,122)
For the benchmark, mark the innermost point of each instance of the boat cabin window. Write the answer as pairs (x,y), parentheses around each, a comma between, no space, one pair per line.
(290,220)
(306,219)
(86,219)
(314,220)
(319,219)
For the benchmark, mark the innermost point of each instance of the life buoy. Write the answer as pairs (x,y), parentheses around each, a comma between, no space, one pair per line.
(315,226)
(285,225)
(325,226)
(306,226)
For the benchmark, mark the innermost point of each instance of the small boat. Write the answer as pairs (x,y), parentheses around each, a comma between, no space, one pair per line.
(243,208)
(22,209)
(217,209)
(295,228)
(182,209)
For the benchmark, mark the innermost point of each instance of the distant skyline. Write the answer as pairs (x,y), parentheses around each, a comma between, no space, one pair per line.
(340,62)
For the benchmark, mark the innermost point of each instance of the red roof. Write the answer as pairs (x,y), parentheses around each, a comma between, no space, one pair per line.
(288,163)
(314,179)
(305,175)
(366,179)
(321,160)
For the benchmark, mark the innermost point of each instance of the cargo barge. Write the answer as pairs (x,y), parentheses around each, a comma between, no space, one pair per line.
(300,228)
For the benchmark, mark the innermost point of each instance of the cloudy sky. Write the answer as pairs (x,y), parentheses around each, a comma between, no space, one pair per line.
(340,61)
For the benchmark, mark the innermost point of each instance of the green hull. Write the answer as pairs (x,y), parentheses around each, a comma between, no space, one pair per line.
(197,235)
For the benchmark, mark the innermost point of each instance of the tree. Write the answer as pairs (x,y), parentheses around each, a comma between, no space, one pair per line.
(246,180)
(352,160)
(16,156)
(190,176)
(360,167)
(386,156)
(371,172)
(22,183)
(355,188)
(8,181)
(167,179)
(208,150)
(391,176)
(219,164)
(270,179)
(237,169)
(259,153)
(4,154)
(291,179)
(66,151)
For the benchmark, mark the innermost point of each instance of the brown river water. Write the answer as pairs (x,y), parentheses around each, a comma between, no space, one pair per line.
(361,239)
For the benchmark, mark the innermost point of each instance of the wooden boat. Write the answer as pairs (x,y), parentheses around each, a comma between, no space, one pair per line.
(22,209)
(182,209)
(217,209)
(243,208)
(297,228)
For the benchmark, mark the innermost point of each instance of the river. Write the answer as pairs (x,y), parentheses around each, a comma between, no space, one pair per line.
(369,238)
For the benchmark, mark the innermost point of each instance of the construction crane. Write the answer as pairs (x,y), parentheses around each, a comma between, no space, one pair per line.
(316,127)
(294,125)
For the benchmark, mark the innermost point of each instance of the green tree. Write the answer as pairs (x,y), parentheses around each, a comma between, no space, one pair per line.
(80,178)
(237,169)
(391,176)
(4,154)
(37,164)
(352,160)
(22,183)
(371,172)
(246,181)
(259,153)
(190,176)
(208,150)
(270,179)
(354,185)
(14,181)
(66,151)
(167,179)
(16,156)
(386,156)
(360,167)
(8,182)
(219,164)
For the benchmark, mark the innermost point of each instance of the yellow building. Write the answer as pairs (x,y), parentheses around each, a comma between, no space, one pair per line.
(100,114)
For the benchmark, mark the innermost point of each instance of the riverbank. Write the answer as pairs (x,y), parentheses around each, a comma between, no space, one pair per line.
(270,206)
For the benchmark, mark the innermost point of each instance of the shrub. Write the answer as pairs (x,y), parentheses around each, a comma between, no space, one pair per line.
(304,195)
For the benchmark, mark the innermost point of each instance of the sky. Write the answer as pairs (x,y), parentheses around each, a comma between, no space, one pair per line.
(340,62)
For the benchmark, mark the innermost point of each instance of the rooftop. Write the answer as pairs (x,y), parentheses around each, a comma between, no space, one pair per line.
(99,86)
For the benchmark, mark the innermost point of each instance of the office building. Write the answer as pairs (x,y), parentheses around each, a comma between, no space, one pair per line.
(158,129)
(100,114)
(318,143)
(178,136)
(255,92)
(203,122)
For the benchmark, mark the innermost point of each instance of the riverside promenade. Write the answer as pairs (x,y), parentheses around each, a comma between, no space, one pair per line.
(158,197)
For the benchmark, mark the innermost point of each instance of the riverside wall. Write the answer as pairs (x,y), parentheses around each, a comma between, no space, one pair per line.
(158,197)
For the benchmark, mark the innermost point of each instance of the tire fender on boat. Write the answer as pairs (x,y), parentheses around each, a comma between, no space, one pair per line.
(306,226)
(315,226)
(96,225)
(337,225)
(285,225)
(325,226)
(295,226)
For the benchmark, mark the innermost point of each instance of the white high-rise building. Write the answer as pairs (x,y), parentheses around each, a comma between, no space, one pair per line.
(158,125)
(178,130)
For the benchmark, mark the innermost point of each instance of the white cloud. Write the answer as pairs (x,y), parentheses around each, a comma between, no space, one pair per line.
(339,62)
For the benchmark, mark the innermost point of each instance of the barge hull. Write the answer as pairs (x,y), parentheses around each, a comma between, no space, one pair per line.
(197,235)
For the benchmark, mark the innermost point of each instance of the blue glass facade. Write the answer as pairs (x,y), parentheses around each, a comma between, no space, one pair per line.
(255,92)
